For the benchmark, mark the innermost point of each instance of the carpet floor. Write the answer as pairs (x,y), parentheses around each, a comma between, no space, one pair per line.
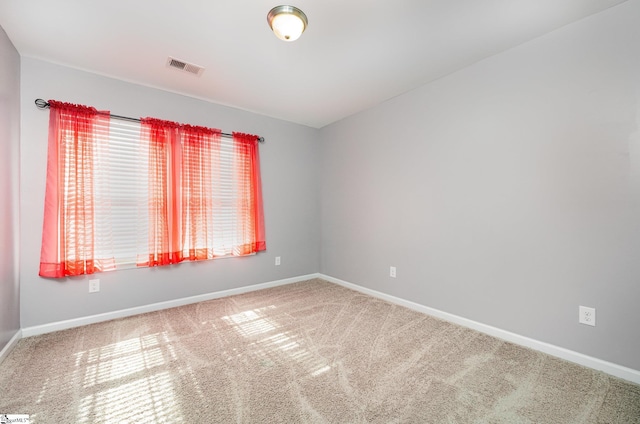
(310,352)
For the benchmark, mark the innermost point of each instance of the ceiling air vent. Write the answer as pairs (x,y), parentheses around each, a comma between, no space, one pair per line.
(184,66)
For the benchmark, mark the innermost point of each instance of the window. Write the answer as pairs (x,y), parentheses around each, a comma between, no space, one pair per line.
(122,193)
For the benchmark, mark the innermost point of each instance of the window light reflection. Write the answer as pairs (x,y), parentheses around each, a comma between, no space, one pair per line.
(121,359)
(148,399)
(252,324)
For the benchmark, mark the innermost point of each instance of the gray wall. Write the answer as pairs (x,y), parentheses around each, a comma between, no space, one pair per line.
(507,193)
(9,189)
(289,161)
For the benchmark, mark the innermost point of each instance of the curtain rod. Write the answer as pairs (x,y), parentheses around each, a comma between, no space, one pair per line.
(43,104)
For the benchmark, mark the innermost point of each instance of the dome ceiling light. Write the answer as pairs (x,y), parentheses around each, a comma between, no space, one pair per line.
(287,22)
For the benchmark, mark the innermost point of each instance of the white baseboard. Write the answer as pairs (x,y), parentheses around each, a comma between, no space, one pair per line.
(9,347)
(566,354)
(616,370)
(92,319)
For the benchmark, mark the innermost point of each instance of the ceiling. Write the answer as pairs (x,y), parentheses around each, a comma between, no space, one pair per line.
(353,55)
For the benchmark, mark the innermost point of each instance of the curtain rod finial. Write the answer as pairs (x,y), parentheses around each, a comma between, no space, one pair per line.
(42,104)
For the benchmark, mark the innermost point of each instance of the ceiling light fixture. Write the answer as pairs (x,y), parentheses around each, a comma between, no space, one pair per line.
(287,22)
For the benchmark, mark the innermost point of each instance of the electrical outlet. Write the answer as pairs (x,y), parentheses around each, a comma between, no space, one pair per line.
(94,286)
(587,315)
(277,260)
(392,272)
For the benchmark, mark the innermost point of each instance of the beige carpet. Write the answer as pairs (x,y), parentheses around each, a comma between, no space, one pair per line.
(311,352)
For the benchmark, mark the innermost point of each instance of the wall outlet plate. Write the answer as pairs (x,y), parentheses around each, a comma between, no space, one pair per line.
(392,272)
(587,315)
(94,286)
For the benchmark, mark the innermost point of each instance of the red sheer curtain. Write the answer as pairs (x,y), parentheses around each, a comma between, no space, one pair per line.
(204,194)
(200,168)
(250,215)
(68,237)
(164,192)
(189,217)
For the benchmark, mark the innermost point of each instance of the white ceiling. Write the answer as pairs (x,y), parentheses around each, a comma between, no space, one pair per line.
(353,55)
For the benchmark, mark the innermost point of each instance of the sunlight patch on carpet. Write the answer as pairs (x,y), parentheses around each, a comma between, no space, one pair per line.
(150,399)
(146,399)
